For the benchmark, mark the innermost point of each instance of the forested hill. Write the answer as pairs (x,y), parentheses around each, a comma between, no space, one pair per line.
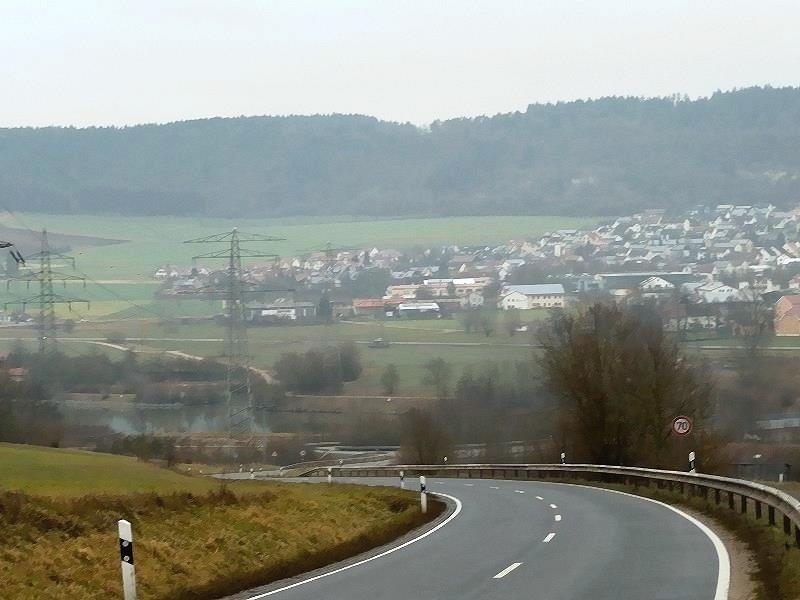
(607,156)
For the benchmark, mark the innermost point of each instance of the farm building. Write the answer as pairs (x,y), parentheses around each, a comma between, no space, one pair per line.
(523,297)
(787,315)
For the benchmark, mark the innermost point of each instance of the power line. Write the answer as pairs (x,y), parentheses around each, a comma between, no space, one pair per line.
(238,388)
(47,298)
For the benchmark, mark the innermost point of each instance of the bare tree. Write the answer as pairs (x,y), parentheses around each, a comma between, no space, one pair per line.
(620,380)
(511,321)
(438,374)
(390,379)
(752,323)
(424,438)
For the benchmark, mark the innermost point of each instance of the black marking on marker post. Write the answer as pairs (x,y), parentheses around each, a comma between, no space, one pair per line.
(126,551)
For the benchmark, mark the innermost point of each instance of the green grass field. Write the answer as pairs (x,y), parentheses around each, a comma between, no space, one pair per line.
(157,241)
(57,472)
(121,284)
(412,343)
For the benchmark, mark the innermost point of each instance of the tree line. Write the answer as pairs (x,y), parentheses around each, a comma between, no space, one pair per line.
(606,156)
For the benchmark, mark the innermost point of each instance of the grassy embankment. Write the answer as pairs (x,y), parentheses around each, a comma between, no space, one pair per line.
(194,538)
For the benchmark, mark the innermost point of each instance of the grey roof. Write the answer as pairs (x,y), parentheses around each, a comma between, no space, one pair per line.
(537,289)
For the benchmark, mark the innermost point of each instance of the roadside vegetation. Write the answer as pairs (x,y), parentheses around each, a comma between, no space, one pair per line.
(194,537)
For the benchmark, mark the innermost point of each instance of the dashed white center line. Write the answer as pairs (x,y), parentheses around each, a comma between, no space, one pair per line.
(553,506)
(469,484)
(539,498)
(519,491)
(557,518)
(549,537)
(506,571)
(493,487)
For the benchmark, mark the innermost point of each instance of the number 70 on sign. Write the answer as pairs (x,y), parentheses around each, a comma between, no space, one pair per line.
(682,425)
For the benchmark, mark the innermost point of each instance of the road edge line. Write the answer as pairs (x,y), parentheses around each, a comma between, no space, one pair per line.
(724,574)
(423,535)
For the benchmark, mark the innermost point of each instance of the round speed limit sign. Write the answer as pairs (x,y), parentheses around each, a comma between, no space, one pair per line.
(682,425)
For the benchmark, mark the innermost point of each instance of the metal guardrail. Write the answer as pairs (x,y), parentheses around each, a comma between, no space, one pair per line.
(694,484)
(351,460)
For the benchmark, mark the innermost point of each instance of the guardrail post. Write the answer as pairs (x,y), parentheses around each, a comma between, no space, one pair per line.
(797,535)
(730,500)
(787,525)
(771,515)
(716,497)
(758,509)
(744,504)
(126,559)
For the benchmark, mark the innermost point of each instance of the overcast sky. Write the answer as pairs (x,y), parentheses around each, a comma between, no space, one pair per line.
(99,62)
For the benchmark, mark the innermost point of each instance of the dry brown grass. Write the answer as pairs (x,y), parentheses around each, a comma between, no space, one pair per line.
(188,545)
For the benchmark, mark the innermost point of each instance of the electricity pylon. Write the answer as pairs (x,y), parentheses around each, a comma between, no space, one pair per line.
(47,298)
(238,390)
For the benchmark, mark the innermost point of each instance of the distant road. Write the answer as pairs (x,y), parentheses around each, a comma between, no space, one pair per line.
(531,540)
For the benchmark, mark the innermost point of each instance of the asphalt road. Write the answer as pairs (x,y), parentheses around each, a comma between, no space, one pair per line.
(533,540)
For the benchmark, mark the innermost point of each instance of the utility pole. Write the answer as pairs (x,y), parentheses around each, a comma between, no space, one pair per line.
(238,391)
(47,298)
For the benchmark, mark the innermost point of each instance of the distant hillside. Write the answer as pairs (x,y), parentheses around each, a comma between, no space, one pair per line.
(607,156)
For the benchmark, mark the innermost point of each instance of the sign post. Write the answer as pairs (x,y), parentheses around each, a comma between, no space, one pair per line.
(126,559)
(423,494)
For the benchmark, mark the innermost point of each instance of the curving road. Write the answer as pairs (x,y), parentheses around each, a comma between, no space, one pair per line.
(532,540)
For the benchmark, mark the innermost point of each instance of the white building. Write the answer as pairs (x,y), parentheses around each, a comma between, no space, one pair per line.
(523,297)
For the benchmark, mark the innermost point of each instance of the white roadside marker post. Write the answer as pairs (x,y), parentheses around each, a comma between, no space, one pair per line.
(423,494)
(563,458)
(330,475)
(252,474)
(126,559)
(402,480)
(691,462)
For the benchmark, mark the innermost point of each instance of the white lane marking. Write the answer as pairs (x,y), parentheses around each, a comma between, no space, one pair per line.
(469,484)
(456,512)
(549,537)
(724,577)
(539,498)
(553,506)
(557,518)
(493,487)
(519,491)
(506,571)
